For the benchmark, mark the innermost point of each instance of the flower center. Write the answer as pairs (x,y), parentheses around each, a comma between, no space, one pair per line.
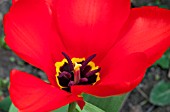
(76,71)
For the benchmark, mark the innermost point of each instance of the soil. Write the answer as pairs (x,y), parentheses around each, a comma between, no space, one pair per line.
(138,99)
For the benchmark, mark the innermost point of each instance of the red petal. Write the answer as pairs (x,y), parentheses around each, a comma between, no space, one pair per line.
(147,30)
(30,94)
(81,104)
(30,32)
(90,26)
(119,78)
(14,1)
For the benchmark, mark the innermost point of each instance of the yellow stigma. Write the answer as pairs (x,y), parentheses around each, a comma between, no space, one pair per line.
(77,66)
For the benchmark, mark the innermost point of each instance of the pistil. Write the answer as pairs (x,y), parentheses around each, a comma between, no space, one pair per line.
(77,73)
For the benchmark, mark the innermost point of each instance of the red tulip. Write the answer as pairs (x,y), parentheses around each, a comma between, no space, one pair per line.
(71,40)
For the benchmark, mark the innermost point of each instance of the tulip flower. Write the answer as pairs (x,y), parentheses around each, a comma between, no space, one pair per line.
(98,47)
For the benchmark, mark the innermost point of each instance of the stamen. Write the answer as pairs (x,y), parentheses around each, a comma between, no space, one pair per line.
(65,74)
(84,64)
(83,80)
(69,61)
(92,72)
(71,83)
(76,71)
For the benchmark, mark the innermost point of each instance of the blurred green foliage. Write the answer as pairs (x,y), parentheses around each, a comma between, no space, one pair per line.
(164,61)
(3,44)
(5,104)
(159,3)
(160,94)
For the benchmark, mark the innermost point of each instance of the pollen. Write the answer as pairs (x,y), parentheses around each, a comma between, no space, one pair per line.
(76,71)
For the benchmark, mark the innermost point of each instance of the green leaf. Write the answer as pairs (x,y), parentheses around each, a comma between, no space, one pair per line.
(1,41)
(3,44)
(5,104)
(62,109)
(3,83)
(160,94)
(109,104)
(164,6)
(167,53)
(13,108)
(89,108)
(163,62)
